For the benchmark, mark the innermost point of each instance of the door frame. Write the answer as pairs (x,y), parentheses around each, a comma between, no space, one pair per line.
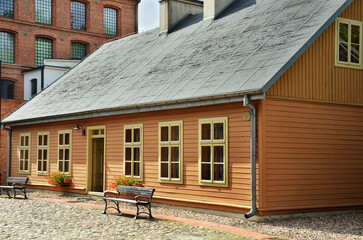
(90,155)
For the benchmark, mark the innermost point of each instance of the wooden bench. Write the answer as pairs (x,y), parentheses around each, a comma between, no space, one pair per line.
(15,184)
(143,198)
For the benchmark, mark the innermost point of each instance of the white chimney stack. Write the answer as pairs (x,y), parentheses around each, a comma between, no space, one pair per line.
(212,8)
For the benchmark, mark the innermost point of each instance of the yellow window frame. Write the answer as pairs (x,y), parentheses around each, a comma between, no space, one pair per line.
(64,147)
(169,144)
(212,143)
(42,148)
(24,148)
(133,145)
(348,64)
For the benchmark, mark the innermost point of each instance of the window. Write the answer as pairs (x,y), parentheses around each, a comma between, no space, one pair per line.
(43,11)
(78,15)
(213,152)
(7,89)
(7,8)
(133,150)
(43,50)
(34,87)
(349,41)
(7,47)
(43,152)
(171,152)
(24,156)
(110,21)
(64,150)
(78,51)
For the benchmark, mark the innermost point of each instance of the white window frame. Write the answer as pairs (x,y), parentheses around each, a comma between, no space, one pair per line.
(64,147)
(132,145)
(24,148)
(42,148)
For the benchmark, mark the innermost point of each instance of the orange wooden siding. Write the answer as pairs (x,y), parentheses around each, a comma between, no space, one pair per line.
(238,191)
(313,155)
(314,75)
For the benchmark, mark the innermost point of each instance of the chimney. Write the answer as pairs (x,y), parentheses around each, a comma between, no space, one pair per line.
(173,11)
(212,8)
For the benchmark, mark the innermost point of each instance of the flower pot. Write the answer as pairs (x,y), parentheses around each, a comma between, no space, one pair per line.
(67,181)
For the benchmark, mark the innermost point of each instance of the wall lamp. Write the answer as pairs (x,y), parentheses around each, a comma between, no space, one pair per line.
(80,127)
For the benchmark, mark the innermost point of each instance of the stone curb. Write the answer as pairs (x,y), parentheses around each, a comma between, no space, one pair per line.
(216,226)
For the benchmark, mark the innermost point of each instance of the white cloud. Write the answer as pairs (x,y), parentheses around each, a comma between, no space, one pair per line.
(148,15)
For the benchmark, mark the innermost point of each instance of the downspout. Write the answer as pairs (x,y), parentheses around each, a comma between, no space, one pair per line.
(42,79)
(246,103)
(8,153)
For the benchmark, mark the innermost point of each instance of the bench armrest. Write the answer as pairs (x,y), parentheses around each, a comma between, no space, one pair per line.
(116,194)
(143,198)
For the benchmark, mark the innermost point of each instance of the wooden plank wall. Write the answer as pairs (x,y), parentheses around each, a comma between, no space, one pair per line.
(314,75)
(237,193)
(313,155)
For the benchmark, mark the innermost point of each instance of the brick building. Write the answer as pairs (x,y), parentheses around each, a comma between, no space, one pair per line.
(34,30)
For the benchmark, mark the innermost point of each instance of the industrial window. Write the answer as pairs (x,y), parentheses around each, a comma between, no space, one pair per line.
(64,150)
(34,87)
(79,51)
(43,50)
(213,152)
(349,41)
(78,15)
(7,47)
(43,152)
(7,8)
(110,21)
(171,152)
(7,89)
(43,11)
(133,150)
(24,155)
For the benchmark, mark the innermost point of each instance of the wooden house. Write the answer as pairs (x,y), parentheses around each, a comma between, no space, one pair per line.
(244,105)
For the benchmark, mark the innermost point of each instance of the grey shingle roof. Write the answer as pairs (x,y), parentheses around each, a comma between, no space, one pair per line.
(244,51)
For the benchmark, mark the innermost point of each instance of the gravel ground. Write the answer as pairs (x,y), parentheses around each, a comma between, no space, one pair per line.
(36,219)
(337,227)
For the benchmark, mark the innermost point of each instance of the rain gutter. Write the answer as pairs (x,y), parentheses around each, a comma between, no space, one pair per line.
(8,153)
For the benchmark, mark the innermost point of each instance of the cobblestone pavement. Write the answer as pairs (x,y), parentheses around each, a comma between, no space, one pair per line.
(36,219)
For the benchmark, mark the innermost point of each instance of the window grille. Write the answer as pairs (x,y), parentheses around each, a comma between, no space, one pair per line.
(43,11)
(110,21)
(78,51)
(7,47)
(78,15)
(43,50)
(7,8)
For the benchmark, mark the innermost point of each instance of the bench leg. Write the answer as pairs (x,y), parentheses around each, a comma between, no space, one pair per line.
(25,196)
(104,211)
(149,208)
(137,211)
(14,193)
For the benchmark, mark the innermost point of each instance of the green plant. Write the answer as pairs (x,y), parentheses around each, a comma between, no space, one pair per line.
(56,179)
(119,180)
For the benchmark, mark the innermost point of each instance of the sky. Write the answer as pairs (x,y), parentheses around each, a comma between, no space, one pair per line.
(148,15)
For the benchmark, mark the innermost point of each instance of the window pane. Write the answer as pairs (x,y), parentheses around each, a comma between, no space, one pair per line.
(26,154)
(136,154)
(21,141)
(43,11)
(164,154)
(7,89)
(218,172)
(44,166)
(66,154)
(43,50)
(128,168)
(66,138)
(66,166)
(354,54)
(110,21)
(137,169)
(206,172)
(343,52)
(45,157)
(40,140)
(21,154)
(61,139)
(45,140)
(218,131)
(26,167)
(343,32)
(34,87)
(137,135)
(39,165)
(206,154)
(7,47)
(78,51)
(206,132)
(174,133)
(78,15)
(26,141)
(39,154)
(164,132)
(175,154)
(355,34)
(128,135)
(96,132)
(175,170)
(60,166)
(128,154)
(218,153)
(164,170)
(21,165)
(7,8)
(102,131)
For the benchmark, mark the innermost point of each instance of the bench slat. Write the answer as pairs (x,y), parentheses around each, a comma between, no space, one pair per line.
(136,190)
(19,180)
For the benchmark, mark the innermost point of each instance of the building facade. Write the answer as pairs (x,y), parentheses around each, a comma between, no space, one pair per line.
(34,30)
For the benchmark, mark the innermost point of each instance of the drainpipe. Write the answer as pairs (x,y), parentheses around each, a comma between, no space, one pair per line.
(8,154)
(246,103)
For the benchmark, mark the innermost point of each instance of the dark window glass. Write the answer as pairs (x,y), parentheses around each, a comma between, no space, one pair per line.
(110,21)
(34,87)
(43,11)
(43,50)
(7,8)
(7,47)
(7,89)
(78,15)
(78,50)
